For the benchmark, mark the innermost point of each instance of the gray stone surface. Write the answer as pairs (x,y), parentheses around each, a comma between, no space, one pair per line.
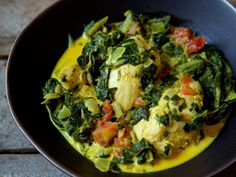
(14,16)
(30,165)
(10,136)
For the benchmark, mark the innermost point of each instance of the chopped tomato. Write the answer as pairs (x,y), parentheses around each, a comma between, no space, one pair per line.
(103,135)
(164,72)
(107,107)
(195,44)
(186,90)
(123,141)
(124,132)
(108,110)
(185,36)
(186,80)
(182,33)
(139,102)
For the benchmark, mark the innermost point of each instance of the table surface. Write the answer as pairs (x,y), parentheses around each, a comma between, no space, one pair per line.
(18,158)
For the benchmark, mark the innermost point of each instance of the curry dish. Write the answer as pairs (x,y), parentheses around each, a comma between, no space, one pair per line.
(140,95)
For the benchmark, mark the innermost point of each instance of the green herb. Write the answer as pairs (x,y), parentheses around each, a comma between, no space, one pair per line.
(138,114)
(163,120)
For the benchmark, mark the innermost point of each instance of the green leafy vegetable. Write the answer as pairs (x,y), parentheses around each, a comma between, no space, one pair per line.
(140,152)
(138,114)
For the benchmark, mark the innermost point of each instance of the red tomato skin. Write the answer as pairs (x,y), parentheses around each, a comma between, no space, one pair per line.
(164,72)
(186,90)
(103,135)
(108,110)
(185,36)
(181,33)
(186,80)
(195,44)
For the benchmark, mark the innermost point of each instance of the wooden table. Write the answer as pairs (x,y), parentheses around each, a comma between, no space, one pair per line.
(18,158)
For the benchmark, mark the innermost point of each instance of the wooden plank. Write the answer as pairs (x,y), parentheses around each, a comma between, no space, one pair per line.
(14,16)
(33,165)
(233,2)
(10,136)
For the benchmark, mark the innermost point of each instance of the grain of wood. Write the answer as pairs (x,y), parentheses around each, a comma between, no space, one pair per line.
(14,16)
(10,136)
(27,166)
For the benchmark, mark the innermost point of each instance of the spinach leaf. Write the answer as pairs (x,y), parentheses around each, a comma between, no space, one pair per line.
(79,125)
(172,50)
(131,54)
(53,100)
(192,68)
(138,114)
(93,27)
(164,120)
(51,86)
(95,52)
(219,113)
(77,121)
(140,152)
(152,97)
(217,80)
(114,167)
(158,40)
(102,85)
(148,75)
(157,25)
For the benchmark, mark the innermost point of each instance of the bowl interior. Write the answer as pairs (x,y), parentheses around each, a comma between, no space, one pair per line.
(42,43)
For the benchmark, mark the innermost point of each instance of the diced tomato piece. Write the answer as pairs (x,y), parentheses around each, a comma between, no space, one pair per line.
(182,33)
(186,90)
(123,140)
(139,102)
(123,143)
(107,107)
(195,44)
(164,72)
(192,44)
(124,133)
(186,80)
(103,135)
(108,110)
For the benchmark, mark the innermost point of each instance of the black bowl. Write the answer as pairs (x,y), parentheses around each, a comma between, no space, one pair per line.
(40,45)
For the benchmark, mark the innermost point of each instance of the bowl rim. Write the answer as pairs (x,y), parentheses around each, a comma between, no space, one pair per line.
(20,126)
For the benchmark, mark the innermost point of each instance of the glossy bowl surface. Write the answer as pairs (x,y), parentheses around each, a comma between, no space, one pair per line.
(41,44)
